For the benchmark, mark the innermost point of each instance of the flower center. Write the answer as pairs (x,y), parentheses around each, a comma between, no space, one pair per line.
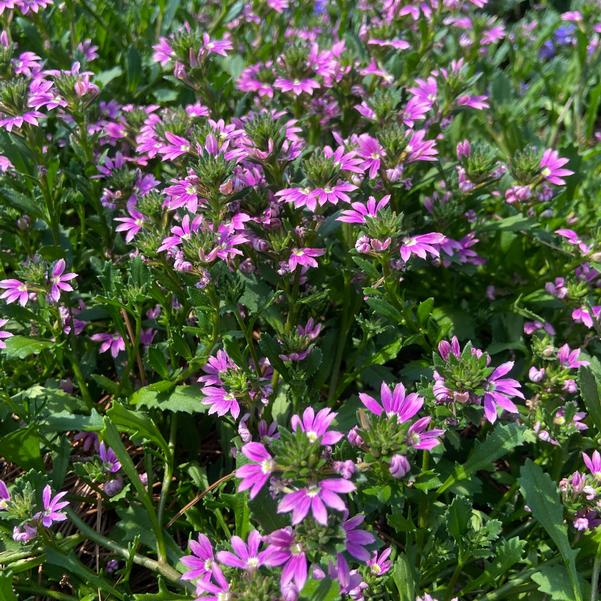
(313,491)
(312,436)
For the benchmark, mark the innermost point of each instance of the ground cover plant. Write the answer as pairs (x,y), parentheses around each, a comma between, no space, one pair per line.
(300,300)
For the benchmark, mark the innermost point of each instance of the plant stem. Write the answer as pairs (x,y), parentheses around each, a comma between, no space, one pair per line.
(164,569)
(595,576)
(46,592)
(168,474)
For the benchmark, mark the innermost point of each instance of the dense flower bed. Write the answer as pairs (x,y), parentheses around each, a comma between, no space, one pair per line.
(300,300)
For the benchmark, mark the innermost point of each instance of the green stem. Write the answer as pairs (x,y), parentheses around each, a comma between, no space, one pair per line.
(45,592)
(595,576)
(165,570)
(454,578)
(168,474)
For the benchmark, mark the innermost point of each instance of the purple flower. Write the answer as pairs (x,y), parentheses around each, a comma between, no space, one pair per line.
(202,562)
(380,564)
(59,280)
(284,549)
(4,334)
(422,246)
(4,496)
(316,426)
(220,401)
(399,466)
(372,152)
(394,403)
(109,459)
(304,257)
(332,194)
(182,193)
(315,498)
(499,390)
(583,315)
(176,146)
(551,164)
(296,86)
(132,224)
(246,556)
(52,507)
(255,475)
(181,233)
(419,149)
(572,238)
(114,342)
(345,161)
(356,540)
(25,534)
(14,290)
(419,438)
(220,47)
(569,358)
(361,212)
(593,463)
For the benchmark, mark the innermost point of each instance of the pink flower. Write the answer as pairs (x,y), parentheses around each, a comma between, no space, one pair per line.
(315,498)
(593,463)
(4,334)
(285,549)
(132,224)
(254,475)
(583,315)
(570,358)
(14,290)
(551,164)
(474,102)
(176,146)
(220,401)
(221,47)
(394,403)
(316,426)
(114,342)
(332,194)
(419,149)
(52,507)
(304,257)
(499,390)
(372,152)
(296,86)
(357,539)
(572,238)
(245,556)
(59,280)
(422,246)
(361,212)
(201,563)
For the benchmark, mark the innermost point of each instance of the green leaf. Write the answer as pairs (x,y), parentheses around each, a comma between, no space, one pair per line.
(137,424)
(185,399)
(403,574)
(589,390)
(21,347)
(104,77)
(6,589)
(424,309)
(64,421)
(76,568)
(540,493)
(321,590)
(23,448)
(457,518)
(502,440)
(554,581)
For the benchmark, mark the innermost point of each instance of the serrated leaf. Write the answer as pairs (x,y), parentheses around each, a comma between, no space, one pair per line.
(457,516)
(21,347)
(184,399)
(23,448)
(540,493)
(555,582)
(501,441)
(589,390)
